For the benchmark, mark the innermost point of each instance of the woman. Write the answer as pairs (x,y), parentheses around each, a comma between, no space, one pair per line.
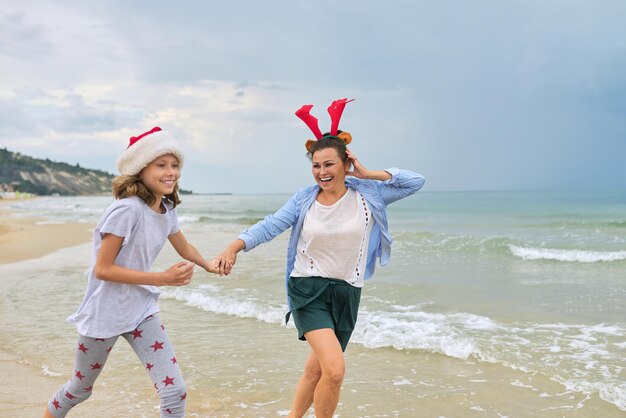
(339,228)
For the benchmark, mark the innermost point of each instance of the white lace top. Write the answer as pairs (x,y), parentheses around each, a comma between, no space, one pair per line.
(334,240)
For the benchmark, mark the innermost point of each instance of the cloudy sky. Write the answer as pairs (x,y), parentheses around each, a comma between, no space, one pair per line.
(475,95)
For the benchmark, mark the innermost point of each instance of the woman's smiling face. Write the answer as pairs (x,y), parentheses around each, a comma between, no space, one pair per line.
(328,170)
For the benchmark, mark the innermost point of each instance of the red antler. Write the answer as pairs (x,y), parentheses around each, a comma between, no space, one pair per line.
(309,120)
(335,110)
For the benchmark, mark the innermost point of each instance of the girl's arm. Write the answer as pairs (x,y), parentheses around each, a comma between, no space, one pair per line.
(105,269)
(190,253)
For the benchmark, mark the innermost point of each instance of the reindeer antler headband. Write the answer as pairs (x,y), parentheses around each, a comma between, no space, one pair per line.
(334,110)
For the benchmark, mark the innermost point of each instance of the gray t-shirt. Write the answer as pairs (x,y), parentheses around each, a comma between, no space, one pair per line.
(110,308)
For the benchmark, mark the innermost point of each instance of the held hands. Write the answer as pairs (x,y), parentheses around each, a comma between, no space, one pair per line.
(210,266)
(227,259)
(177,275)
(225,262)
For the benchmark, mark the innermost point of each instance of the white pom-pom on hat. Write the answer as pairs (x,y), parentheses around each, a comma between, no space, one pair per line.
(147,147)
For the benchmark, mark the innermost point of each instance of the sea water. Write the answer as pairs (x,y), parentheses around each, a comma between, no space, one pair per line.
(494,304)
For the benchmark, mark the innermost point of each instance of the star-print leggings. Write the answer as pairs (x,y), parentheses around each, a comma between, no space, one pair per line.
(151,344)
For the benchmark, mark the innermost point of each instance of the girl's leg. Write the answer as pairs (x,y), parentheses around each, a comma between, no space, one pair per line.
(306,387)
(327,350)
(153,347)
(91,355)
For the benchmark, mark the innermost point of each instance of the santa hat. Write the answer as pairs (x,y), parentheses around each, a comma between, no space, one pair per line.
(147,147)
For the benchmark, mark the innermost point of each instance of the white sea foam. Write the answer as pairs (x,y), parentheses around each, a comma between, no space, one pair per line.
(579,356)
(187,218)
(530,253)
(407,308)
(402,382)
(407,329)
(614,393)
(47,372)
(439,333)
(227,305)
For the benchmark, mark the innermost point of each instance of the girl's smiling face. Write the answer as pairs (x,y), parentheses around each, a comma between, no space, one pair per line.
(161,175)
(328,170)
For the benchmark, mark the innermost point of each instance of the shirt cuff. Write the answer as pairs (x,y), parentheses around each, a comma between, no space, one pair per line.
(394,171)
(247,239)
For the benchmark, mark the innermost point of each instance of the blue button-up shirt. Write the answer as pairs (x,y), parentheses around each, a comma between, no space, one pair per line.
(378,195)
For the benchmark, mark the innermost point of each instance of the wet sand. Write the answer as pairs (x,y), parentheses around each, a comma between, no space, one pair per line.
(27,392)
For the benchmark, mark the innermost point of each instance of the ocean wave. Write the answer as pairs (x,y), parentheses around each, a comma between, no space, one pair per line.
(427,242)
(439,333)
(433,242)
(405,327)
(237,220)
(584,358)
(563,223)
(455,334)
(227,305)
(188,219)
(581,256)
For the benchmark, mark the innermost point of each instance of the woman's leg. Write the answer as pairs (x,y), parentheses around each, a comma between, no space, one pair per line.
(306,387)
(91,355)
(327,351)
(153,347)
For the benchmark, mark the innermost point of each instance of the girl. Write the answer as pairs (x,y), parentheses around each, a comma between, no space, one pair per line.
(338,230)
(122,292)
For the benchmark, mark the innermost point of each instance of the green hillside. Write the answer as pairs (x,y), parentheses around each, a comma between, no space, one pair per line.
(21,173)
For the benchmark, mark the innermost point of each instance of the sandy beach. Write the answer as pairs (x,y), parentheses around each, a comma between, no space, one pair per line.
(25,239)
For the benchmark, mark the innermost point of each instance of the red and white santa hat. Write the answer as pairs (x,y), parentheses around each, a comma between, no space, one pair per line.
(145,148)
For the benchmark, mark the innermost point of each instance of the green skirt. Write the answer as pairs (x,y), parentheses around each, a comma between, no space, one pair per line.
(318,302)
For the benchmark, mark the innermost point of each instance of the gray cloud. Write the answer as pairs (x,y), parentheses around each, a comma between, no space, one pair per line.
(21,39)
(79,117)
(480,95)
